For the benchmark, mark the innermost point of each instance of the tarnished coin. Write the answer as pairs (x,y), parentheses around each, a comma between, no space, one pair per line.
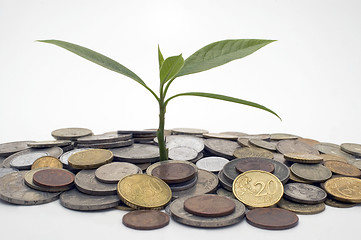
(221,136)
(334,149)
(209,205)
(224,182)
(182,216)
(174,172)
(189,131)
(14,190)
(86,182)
(47,161)
(142,191)
(294,178)
(137,153)
(154,165)
(113,172)
(261,136)
(212,164)
(247,164)
(345,189)
(145,219)
(351,148)
(283,136)
(28,179)
(338,204)
(182,153)
(304,193)
(301,208)
(295,146)
(53,177)
(309,141)
(65,156)
(90,159)
(272,218)
(4,171)
(257,188)
(139,133)
(104,138)
(246,152)
(185,141)
(6,149)
(342,168)
(221,147)
(311,172)
(70,133)
(303,157)
(50,143)
(271,146)
(330,157)
(76,200)
(183,185)
(224,193)
(244,142)
(108,145)
(25,160)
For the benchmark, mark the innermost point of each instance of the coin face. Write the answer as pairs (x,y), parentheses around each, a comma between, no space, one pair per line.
(25,160)
(137,153)
(212,164)
(301,208)
(53,177)
(272,218)
(145,219)
(247,164)
(221,147)
(342,168)
(90,159)
(182,153)
(70,133)
(295,146)
(352,148)
(113,172)
(28,180)
(248,152)
(257,188)
(47,161)
(174,172)
(142,191)
(87,183)
(346,189)
(65,156)
(271,146)
(334,149)
(304,193)
(193,142)
(311,172)
(6,149)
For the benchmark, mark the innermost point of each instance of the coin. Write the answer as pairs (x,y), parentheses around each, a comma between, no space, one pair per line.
(189,131)
(28,179)
(86,182)
(4,171)
(221,147)
(342,168)
(295,146)
(50,143)
(271,146)
(182,153)
(334,149)
(272,218)
(225,193)
(351,148)
(47,161)
(247,164)
(25,160)
(294,178)
(145,219)
(90,159)
(174,172)
(244,142)
(53,177)
(14,190)
(113,172)
(309,141)
(311,172)
(183,185)
(283,136)
(6,149)
(117,144)
(304,193)
(209,205)
(345,189)
(70,133)
(257,188)
(301,208)
(227,184)
(142,191)
(247,152)
(212,164)
(137,153)
(303,157)
(338,204)
(139,133)
(154,165)
(104,138)
(65,156)
(193,142)
(76,200)
(330,157)
(182,216)
(221,136)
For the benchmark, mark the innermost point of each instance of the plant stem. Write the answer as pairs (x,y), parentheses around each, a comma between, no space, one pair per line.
(163,151)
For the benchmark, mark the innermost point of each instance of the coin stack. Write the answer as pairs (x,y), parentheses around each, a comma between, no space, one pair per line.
(142,136)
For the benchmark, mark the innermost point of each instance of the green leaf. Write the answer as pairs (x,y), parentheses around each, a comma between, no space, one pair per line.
(219,53)
(224,98)
(170,67)
(96,58)
(160,57)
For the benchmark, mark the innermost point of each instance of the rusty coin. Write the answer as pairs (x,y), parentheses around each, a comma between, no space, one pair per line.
(53,177)
(272,218)
(145,219)
(343,168)
(174,172)
(209,205)
(247,164)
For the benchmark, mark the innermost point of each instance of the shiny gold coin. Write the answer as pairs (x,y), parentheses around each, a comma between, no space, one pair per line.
(303,157)
(246,152)
(142,191)
(301,208)
(257,188)
(47,162)
(90,158)
(345,189)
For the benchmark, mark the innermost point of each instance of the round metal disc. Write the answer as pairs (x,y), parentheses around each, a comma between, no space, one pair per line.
(212,164)
(300,208)
(221,147)
(90,159)
(189,131)
(295,146)
(311,172)
(193,142)
(250,152)
(113,172)
(86,182)
(28,179)
(53,177)
(4,171)
(174,172)
(182,153)
(47,161)
(145,219)
(104,138)
(272,218)
(304,193)
(255,164)
(70,133)
(50,143)
(6,149)
(137,153)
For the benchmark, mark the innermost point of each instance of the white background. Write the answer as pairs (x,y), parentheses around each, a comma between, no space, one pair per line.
(310,77)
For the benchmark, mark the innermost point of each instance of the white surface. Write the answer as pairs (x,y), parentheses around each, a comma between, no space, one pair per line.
(310,77)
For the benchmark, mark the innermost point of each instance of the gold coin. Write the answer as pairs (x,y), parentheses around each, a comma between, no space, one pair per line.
(257,188)
(47,162)
(142,191)
(245,152)
(303,157)
(346,189)
(329,157)
(90,158)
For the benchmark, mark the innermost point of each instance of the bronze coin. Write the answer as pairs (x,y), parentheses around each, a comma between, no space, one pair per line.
(145,219)
(343,168)
(255,164)
(53,177)
(272,218)
(209,205)
(174,172)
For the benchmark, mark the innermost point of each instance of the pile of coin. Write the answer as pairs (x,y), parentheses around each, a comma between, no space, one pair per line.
(259,177)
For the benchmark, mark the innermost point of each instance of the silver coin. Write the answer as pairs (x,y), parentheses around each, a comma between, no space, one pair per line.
(300,208)
(108,145)
(311,172)
(357,163)
(225,193)
(352,148)
(220,147)
(104,138)
(14,190)
(184,185)
(25,160)
(221,136)
(28,180)
(139,133)
(6,149)
(154,165)
(4,171)
(244,142)
(207,183)
(137,153)
(304,193)
(182,216)
(283,136)
(70,133)
(76,200)
(212,164)
(263,144)
(225,183)
(182,153)
(185,141)
(65,156)
(113,172)
(333,149)
(86,182)
(295,146)
(189,131)
(50,143)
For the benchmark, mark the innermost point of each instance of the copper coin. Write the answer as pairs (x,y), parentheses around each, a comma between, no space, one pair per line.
(209,205)
(255,164)
(174,172)
(145,219)
(343,168)
(272,218)
(53,177)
